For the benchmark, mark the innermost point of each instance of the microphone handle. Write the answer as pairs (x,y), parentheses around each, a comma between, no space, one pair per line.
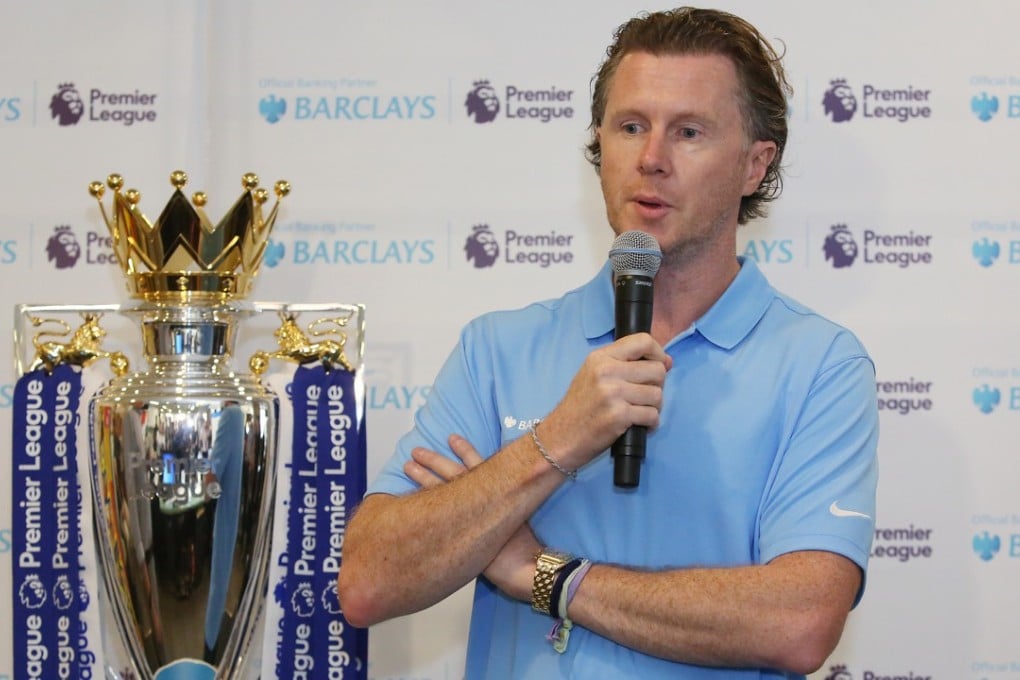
(628,452)
(633,315)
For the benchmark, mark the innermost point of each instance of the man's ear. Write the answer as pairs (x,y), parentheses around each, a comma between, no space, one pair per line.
(759,157)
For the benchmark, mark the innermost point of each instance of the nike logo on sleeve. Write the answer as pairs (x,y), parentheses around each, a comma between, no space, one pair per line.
(837,511)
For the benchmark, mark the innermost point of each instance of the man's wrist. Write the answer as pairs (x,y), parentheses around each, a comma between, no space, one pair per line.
(548,564)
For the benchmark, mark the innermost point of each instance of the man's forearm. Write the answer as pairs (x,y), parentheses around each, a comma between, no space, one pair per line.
(788,614)
(403,554)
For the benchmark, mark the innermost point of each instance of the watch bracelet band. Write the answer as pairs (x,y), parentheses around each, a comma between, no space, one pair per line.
(548,565)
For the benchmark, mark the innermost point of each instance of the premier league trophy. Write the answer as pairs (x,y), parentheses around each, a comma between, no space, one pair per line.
(184,462)
(186,452)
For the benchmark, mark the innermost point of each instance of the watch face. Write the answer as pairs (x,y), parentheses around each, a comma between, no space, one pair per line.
(554,558)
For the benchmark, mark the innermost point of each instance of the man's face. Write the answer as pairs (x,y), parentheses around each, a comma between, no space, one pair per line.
(675,157)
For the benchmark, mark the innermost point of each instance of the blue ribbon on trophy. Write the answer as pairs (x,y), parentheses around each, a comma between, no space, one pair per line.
(182,462)
(51,634)
(327,478)
(49,595)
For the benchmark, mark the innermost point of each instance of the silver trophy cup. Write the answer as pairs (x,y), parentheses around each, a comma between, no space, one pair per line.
(183,479)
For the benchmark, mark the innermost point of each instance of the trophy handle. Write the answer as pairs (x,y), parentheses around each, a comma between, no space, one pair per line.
(81,348)
(295,344)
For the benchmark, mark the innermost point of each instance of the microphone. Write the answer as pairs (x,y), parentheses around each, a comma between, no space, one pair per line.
(635,257)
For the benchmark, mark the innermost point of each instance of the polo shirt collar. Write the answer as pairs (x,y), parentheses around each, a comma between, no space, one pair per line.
(725,324)
(739,309)
(598,304)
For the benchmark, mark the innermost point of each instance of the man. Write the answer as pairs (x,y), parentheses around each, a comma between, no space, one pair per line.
(744,546)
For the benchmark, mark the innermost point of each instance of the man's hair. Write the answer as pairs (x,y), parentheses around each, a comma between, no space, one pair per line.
(763,87)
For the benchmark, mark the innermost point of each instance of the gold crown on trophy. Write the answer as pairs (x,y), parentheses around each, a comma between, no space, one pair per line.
(183,257)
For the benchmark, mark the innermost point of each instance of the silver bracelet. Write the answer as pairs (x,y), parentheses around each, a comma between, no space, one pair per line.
(569,474)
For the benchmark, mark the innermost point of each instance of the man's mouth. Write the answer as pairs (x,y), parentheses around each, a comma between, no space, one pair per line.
(653,203)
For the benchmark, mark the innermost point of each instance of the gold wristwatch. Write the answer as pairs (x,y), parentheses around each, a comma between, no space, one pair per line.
(547,563)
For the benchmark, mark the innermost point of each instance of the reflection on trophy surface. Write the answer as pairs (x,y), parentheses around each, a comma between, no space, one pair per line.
(184,466)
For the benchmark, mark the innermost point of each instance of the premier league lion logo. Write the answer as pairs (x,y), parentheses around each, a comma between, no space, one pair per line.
(302,602)
(66,105)
(840,247)
(481,246)
(839,101)
(63,248)
(839,673)
(331,599)
(63,593)
(32,592)
(482,103)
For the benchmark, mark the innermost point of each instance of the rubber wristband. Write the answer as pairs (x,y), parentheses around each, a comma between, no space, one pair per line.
(570,587)
(557,589)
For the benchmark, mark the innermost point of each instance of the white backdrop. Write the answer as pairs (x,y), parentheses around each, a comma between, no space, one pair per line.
(361,106)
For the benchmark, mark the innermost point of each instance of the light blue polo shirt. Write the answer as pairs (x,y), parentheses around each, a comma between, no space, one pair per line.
(766,445)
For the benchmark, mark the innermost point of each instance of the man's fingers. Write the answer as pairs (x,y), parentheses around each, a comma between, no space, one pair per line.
(639,346)
(437,463)
(421,475)
(464,450)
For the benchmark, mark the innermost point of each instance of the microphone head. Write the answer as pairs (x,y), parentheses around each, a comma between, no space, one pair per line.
(635,253)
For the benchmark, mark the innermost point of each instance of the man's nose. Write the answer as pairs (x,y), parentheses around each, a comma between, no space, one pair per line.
(655,158)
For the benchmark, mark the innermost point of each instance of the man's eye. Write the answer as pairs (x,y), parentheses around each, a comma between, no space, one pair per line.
(632,128)
(688,133)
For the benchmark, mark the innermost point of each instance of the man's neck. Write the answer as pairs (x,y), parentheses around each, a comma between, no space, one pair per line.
(684,293)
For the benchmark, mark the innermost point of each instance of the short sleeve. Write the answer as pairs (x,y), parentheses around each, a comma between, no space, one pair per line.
(822,496)
(460,402)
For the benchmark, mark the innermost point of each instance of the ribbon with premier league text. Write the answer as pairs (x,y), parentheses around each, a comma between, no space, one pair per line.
(327,479)
(48,630)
